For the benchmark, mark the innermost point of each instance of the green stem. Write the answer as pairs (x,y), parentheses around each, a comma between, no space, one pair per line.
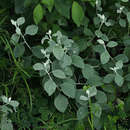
(15,61)
(29,92)
(62,122)
(91,114)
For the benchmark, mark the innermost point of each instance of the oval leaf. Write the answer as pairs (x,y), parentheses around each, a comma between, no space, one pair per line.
(31,30)
(38,13)
(58,52)
(50,87)
(104,57)
(61,103)
(77,13)
(68,89)
(77,61)
(59,74)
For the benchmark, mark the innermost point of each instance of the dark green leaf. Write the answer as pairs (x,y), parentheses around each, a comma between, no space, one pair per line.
(19,50)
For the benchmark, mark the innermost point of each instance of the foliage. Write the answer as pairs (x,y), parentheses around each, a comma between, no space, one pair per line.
(75,76)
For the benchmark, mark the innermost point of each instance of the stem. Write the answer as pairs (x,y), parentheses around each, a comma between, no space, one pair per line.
(91,114)
(62,122)
(25,41)
(11,52)
(100,26)
(30,96)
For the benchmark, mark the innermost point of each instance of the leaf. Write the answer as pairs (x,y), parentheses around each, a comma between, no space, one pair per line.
(68,89)
(88,32)
(101,97)
(68,71)
(108,78)
(50,87)
(104,57)
(36,50)
(119,64)
(77,13)
(38,13)
(112,44)
(48,3)
(19,50)
(98,33)
(58,52)
(61,103)
(15,38)
(18,31)
(66,61)
(88,71)
(119,80)
(6,124)
(124,0)
(122,57)
(77,61)
(63,7)
(14,103)
(95,80)
(38,66)
(59,74)
(31,30)
(128,17)
(20,21)
(96,110)
(82,112)
(122,23)
(92,91)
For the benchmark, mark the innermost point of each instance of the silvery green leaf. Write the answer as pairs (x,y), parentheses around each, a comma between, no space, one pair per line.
(14,103)
(119,64)
(82,112)
(122,23)
(66,61)
(13,22)
(101,97)
(5,99)
(38,66)
(112,44)
(100,41)
(59,74)
(18,31)
(77,61)
(61,103)
(68,89)
(20,21)
(84,98)
(119,80)
(98,33)
(15,38)
(96,110)
(50,87)
(31,30)
(104,57)
(124,0)
(92,91)
(58,52)
(6,124)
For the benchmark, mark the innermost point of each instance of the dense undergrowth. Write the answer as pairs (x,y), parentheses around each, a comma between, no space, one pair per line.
(65,64)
